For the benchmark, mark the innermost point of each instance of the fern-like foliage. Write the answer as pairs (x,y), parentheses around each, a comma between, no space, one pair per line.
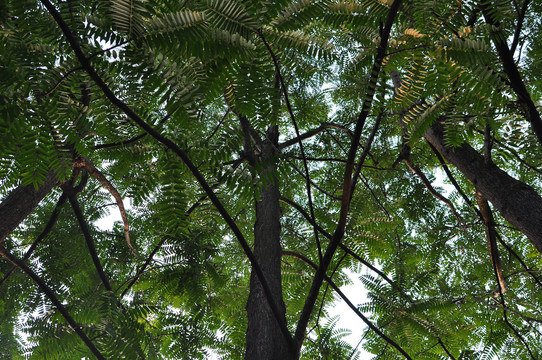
(212,79)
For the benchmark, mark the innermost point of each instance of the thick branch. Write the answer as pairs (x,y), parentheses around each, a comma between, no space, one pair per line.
(512,71)
(41,236)
(467,200)
(300,142)
(517,202)
(21,202)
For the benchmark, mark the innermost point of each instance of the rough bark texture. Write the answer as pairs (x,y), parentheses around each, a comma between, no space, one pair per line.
(20,203)
(265,340)
(517,202)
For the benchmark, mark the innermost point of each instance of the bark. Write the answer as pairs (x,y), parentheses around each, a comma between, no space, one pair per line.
(265,340)
(517,202)
(21,202)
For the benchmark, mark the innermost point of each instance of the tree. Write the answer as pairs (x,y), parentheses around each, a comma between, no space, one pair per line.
(263,148)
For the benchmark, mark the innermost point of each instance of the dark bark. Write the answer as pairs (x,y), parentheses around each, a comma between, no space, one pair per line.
(21,202)
(48,227)
(89,241)
(517,202)
(264,337)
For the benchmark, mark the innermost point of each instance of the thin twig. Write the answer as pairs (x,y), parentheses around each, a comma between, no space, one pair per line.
(313,132)
(419,173)
(519,26)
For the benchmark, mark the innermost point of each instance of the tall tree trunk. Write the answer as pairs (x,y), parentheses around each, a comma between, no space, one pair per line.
(517,202)
(264,339)
(21,202)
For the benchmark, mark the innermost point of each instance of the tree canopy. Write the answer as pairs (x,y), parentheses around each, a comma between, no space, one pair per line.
(254,151)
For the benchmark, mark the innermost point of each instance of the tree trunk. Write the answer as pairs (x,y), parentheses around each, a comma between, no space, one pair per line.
(517,202)
(20,203)
(264,339)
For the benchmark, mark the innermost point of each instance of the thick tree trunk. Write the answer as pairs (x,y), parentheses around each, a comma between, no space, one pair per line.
(20,203)
(517,202)
(265,341)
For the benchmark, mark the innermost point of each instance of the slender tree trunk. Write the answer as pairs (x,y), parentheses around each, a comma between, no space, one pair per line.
(265,341)
(517,202)
(21,202)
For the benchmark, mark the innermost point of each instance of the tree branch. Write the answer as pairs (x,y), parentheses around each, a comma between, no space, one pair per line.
(491,235)
(334,197)
(511,70)
(21,202)
(419,173)
(313,132)
(48,227)
(350,305)
(88,239)
(120,143)
(345,204)
(51,295)
(519,26)
(365,152)
(300,142)
(97,174)
(523,209)
(467,200)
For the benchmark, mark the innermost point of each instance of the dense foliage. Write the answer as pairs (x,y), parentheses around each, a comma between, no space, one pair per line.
(159,110)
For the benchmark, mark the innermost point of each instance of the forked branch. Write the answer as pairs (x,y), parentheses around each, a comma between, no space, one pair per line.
(347,182)
(350,305)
